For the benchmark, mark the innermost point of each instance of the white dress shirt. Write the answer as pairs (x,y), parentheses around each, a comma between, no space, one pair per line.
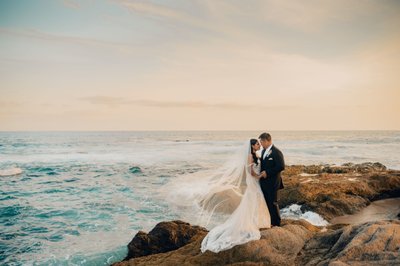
(267,151)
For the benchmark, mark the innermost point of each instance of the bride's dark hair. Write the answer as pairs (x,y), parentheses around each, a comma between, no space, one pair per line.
(253,153)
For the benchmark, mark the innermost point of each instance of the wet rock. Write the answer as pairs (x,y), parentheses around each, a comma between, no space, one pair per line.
(135,170)
(165,236)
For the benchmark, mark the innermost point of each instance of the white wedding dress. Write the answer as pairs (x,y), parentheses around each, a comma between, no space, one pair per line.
(230,189)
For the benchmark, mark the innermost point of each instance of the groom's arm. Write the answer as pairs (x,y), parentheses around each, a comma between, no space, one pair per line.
(279,164)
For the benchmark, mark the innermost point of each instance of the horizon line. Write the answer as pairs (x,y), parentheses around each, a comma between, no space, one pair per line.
(196,130)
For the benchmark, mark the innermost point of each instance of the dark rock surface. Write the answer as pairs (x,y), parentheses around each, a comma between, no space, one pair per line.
(373,243)
(165,236)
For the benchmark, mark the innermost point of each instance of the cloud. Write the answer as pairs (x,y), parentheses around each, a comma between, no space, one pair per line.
(71,4)
(162,12)
(307,16)
(230,17)
(316,28)
(86,42)
(119,101)
(10,107)
(149,8)
(208,20)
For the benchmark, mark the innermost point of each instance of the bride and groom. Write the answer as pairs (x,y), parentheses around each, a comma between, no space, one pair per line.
(258,206)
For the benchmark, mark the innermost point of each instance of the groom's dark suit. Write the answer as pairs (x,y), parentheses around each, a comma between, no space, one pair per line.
(273,164)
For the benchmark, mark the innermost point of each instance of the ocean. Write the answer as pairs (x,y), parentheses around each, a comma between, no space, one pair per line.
(78,198)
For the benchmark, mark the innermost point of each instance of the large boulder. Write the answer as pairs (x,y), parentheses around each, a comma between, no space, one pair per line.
(165,236)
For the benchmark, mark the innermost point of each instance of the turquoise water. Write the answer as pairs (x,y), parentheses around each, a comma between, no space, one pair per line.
(78,198)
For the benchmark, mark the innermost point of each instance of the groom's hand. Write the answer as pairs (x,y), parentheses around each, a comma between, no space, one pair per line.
(263,174)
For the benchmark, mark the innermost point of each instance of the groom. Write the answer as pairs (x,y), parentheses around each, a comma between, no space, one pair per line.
(272,164)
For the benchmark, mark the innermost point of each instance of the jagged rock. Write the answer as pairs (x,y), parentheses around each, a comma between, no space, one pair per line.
(165,236)
(373,243)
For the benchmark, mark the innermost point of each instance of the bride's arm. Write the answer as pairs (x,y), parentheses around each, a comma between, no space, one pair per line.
(250,162)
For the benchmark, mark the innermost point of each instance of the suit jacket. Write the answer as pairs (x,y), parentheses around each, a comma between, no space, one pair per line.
(273,165)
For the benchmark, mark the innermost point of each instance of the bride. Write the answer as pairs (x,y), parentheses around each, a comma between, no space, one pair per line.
(233,189)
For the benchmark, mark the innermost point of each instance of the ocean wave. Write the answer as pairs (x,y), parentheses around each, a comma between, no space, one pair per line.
(294,212)
(10,171)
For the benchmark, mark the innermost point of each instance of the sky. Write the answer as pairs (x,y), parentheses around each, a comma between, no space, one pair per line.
(199,65)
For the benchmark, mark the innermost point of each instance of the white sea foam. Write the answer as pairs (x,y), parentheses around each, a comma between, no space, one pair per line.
(305,174)
(10,171)
(294,212)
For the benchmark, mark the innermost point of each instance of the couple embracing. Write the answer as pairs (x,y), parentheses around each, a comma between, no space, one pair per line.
(258,207)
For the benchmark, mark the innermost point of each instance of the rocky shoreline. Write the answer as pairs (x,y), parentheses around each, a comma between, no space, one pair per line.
(296,242)
(333,191)
(328,190)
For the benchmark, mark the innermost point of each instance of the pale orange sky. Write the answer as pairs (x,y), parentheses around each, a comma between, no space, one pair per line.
(199,65)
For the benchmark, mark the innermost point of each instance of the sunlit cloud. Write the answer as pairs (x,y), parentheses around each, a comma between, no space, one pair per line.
(120,101)
(149,8)
(65,39)
(314,15)
(169,15)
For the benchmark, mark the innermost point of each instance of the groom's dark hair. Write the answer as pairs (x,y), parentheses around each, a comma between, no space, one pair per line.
(265,136)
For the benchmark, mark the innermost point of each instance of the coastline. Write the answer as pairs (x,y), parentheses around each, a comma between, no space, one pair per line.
(296,242)
(334,192)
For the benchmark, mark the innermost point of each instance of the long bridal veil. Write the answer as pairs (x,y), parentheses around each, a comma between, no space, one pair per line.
(230,190)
